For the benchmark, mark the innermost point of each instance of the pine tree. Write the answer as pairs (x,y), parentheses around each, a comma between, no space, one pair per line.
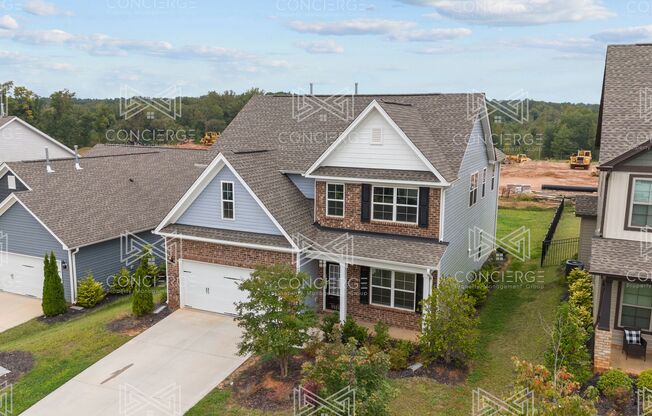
(142,300)
(54,301)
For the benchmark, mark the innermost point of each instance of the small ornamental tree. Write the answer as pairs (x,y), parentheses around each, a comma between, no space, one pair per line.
(567,344)
(275,317)
(54,301)
(449,324)
(90,292)
(142,299)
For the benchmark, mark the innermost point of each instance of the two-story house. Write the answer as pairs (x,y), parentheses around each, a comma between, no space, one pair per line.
(618,222)
(20,140)
(375,207)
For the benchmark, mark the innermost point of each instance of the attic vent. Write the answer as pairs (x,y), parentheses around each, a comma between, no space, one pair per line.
(376,135)
(11,182)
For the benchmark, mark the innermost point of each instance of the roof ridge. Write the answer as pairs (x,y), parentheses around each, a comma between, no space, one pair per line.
(144,146)
(84,158)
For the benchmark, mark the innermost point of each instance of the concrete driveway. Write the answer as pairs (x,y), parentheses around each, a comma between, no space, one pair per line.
(163,371)
(16,309)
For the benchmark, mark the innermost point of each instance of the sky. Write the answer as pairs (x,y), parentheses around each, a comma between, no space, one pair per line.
(543,49)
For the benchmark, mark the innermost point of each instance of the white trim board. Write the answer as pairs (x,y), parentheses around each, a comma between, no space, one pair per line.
(375,106)
(226,242)
(200,184)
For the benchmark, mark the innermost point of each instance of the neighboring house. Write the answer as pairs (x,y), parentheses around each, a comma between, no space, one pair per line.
(21,141)
(81,214)
(620,258)
(374,207)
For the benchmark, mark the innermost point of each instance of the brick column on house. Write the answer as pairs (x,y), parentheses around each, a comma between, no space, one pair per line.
(221,254)
(602,350)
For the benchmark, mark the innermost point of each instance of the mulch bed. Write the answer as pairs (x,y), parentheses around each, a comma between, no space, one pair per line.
(132,325)
(606,408)
(18,362)
(440,372)
(73,313)
(257,385)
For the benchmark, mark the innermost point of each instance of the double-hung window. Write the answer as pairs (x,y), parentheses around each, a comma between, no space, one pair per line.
(636,309)
(393,289)
(395,204)
(335,200)
(228,201)
(641,203)
(484,182)
(493,178)
(473,190)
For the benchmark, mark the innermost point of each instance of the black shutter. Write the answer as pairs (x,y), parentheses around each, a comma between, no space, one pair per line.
(417,306)
(364,285)
(424,204)
(366,203)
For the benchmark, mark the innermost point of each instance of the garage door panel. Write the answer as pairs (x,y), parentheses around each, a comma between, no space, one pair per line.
(211,287)
(21,274)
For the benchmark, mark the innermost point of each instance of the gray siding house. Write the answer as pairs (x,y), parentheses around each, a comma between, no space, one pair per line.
(376,216)
(22,141)
(95,219)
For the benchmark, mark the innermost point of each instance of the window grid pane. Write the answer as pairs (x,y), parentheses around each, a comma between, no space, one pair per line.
(335,200)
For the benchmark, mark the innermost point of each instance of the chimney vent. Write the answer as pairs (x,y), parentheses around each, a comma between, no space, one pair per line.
(48,167)
(77,166)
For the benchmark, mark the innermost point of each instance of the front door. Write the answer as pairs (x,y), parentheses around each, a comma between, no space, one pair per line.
(332,286)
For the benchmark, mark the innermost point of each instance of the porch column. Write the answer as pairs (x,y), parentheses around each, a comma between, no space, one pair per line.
(603,335)
(343,292)
(604,310)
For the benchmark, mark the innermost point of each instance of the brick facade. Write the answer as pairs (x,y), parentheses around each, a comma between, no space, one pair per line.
(371,313)
(602,350)
(225,255)
(352,214)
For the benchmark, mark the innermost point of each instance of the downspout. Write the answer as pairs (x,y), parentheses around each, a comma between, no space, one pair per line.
(73,273)
(604,202)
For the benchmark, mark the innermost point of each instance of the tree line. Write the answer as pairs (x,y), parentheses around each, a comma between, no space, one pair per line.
(545,130)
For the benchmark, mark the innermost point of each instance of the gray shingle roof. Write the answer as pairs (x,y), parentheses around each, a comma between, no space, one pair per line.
(626,113)
(110,195)
(228,235)
(380,174)
(5,120)
(586,205)
(619,258)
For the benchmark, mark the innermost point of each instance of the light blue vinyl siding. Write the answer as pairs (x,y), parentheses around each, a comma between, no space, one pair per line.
(206,210)
(104,259)
(26,236)
(4,186)
(305,185)
(459,218)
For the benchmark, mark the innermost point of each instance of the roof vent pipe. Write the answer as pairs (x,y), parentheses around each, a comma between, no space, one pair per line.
(2,109)
(356,88)
(77,166)
(48,168)
(311,88)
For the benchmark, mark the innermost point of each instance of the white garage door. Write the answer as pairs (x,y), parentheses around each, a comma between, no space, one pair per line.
(211,287)
(21,274)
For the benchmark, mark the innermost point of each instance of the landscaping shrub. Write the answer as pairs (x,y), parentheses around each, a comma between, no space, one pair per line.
(142,299)
(581,296)
(121,283)
(399,355)
(449,324)
(567,345)
(339,365)
(644,380)
(54,301)
(616,386)
(275,319)
(576,274)
(478,290)
(90,292)
(381,335)
(328,323)
(351,329)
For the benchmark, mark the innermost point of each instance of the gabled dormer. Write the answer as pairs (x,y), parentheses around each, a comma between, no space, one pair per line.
(10,182)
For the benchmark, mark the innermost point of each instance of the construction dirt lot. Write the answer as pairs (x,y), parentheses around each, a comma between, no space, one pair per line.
(538,172)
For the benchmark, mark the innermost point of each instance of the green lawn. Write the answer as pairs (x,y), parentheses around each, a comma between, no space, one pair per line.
(510,325)
(62,350)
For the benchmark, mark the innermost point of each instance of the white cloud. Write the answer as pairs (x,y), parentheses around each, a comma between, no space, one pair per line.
(58,66)
(8,22)
(517,12)
(43,36)
(352,27)
(430,35)
(625,34)
(320,46)
(12,57)
(43,8)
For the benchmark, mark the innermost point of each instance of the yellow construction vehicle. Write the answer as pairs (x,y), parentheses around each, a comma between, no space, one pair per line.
(581,159)
(520,158)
